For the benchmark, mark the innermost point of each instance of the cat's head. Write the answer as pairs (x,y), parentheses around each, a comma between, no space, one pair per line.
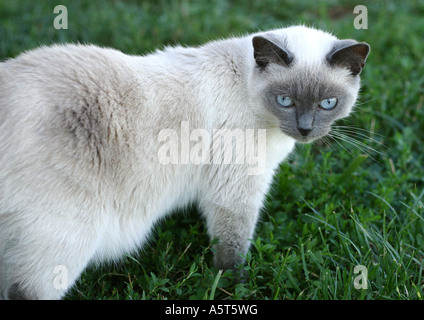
(305,79)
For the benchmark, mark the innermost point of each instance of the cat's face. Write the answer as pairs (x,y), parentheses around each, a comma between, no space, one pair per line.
(306,93)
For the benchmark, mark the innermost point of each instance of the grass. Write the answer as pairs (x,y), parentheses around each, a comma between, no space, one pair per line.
(333,205)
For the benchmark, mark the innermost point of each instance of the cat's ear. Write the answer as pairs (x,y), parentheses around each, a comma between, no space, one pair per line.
(349,54)
(265,51)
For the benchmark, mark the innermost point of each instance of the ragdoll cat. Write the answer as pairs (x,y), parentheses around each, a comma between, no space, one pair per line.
(86,137)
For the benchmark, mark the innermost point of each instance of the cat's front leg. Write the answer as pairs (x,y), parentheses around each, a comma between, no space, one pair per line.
(233,227)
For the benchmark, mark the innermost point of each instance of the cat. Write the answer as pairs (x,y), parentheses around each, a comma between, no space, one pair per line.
(82,178)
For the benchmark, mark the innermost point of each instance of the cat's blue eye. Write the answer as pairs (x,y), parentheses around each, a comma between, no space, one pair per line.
(284,101)
(328,104)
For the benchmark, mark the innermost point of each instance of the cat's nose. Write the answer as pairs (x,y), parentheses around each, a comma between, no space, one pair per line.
(304,131)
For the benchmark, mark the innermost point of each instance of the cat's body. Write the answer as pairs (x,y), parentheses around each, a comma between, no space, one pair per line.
(81,179)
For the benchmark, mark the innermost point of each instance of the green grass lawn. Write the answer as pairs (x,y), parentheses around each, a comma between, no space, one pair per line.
(333,205)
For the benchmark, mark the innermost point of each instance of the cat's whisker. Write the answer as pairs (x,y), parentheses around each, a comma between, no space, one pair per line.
(364,102)
(327,142)
(341,145)
(355,130)
(360,132)
(366,149)
(362,135)
(355,142)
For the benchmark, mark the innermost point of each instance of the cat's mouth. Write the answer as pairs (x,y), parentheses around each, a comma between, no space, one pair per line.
(307,139)
(304,136)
